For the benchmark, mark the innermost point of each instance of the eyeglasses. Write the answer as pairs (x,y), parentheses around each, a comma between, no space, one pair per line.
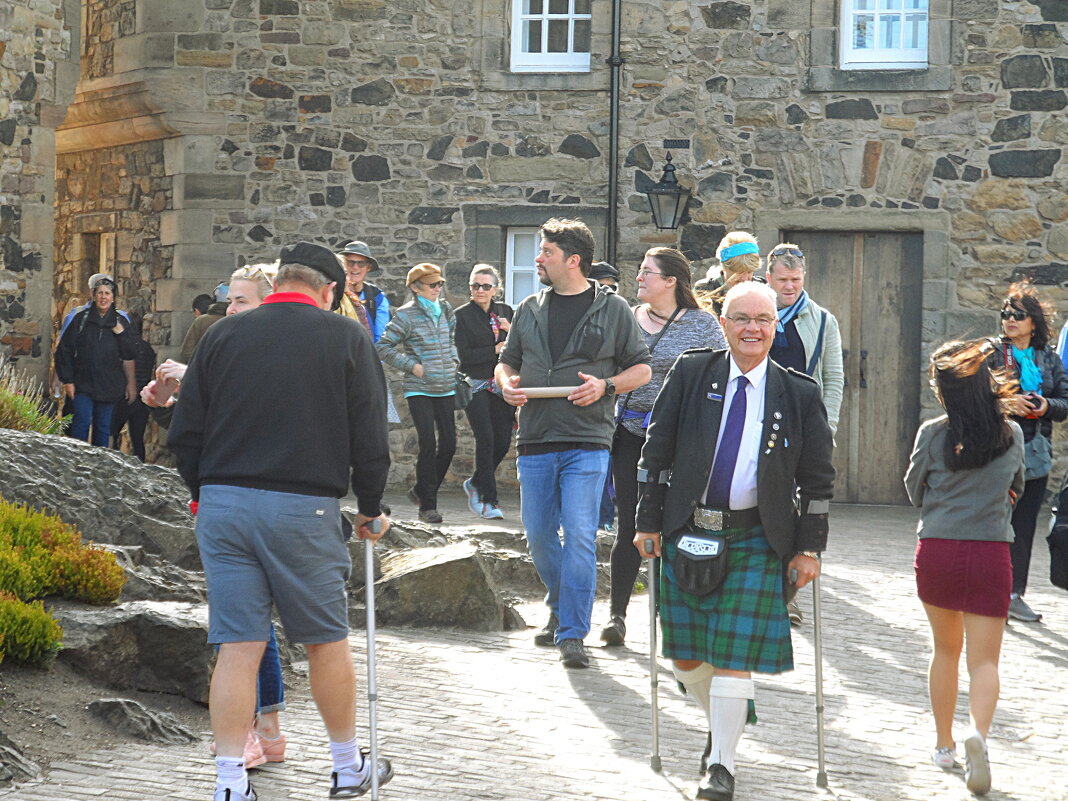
(790,251)
(357,264)
(483,287)
(435,285)
(1013,314)
(742,320)
(643,272)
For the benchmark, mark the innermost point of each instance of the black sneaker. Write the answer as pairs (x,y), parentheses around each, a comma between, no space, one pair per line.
(716,785)
(573,653)
(547,636)
(1019,610)
(385,773)
(430,515)
(615,633)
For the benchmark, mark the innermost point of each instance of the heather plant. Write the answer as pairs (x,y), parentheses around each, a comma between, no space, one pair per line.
(24,404)
(28,633)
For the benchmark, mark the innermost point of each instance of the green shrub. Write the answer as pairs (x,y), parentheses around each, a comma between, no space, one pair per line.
(28,633)
(88,574)
(24,404)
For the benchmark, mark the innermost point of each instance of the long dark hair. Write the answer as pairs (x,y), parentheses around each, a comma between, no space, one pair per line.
(974,397)
(1022,297)
(673,264)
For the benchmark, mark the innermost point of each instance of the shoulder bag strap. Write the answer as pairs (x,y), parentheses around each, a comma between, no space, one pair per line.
(652,346)
(819,344)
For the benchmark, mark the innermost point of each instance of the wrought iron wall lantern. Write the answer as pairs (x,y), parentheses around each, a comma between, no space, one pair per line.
(668,199)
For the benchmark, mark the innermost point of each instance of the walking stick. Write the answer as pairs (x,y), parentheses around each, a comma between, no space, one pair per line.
(654,680)
(375,526)
(821,768)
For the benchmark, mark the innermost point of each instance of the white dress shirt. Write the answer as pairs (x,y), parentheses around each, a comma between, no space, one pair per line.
(744,482)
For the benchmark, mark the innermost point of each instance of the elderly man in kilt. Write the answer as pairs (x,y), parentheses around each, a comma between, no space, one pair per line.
(735,482)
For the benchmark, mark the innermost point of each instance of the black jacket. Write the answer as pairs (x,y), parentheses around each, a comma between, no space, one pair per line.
(1054,388)
(475,343)
(682,438)
(90,355)
(285,397)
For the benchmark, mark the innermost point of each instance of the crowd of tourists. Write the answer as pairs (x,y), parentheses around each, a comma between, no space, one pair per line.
(704,412)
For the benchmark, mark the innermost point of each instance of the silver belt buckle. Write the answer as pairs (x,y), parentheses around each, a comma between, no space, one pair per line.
(711,519)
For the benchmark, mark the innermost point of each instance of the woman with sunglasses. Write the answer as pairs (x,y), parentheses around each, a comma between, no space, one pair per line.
(481,328)
(671,321)
(1024,351)
(965,472)
(420,342)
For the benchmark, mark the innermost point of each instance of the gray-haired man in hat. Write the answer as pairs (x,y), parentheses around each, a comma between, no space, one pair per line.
(283,408)
(359,263)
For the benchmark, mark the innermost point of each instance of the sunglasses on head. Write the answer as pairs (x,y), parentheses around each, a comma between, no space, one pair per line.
(484,287)
(788,251)
(1013,314)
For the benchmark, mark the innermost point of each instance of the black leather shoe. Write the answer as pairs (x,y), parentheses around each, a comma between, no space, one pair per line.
(573,653)
(716,785)
(706,754)
(615,633)
(547,636)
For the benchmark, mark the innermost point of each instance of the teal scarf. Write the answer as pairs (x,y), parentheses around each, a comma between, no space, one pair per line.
(432,306)
(1030,375)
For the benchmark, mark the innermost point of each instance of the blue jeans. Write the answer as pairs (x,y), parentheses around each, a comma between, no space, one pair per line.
(270,691)
(88,412)
(563,490)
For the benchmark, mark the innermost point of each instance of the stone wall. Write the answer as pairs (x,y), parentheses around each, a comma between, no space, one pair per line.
(36,80)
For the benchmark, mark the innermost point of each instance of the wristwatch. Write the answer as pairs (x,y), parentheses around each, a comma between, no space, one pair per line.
(811,555)
(609,387)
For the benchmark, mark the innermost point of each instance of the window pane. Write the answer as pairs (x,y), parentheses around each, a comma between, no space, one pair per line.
(864,32)
(916,31)
(523,252)
(864,5)
(582,36)
(559,6)
(890,32)
(583,6)
(532,36)
(524,283)
(889,4)
(532,6)
(920,5)
(557,36)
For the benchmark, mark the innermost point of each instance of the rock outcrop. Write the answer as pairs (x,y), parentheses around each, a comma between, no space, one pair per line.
(137,720)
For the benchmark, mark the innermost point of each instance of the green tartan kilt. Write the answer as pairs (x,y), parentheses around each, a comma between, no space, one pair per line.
(743,625)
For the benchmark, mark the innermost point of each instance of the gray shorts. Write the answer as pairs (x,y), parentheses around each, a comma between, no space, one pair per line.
(260,547)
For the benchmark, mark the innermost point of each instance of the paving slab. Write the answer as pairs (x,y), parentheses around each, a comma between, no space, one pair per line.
(490,716)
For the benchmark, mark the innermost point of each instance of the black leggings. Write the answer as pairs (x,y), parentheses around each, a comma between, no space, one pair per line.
(135,417)
(492,421)
(626,449)
(434,457)
(1024,518)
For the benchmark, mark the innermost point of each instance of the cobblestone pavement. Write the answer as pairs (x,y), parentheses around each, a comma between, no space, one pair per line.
(490,716)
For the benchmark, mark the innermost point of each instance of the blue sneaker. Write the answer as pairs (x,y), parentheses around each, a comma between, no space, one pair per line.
(474,503)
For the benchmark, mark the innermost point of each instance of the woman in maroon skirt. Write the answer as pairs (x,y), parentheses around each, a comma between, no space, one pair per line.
(966,472)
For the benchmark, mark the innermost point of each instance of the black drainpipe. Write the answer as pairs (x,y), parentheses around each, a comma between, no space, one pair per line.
(616,62)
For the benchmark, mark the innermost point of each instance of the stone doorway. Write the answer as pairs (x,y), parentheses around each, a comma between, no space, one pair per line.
(872,282)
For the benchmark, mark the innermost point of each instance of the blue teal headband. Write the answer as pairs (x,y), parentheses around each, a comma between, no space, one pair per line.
(739,249)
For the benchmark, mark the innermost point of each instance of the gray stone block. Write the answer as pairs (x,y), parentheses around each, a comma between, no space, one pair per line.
(209,190)
(156,16)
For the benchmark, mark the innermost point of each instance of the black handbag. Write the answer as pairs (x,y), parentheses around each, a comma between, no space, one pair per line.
(463,391)
(1058,557)
(700,562)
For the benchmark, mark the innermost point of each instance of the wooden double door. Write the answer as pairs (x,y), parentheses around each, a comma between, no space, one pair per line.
(872,282)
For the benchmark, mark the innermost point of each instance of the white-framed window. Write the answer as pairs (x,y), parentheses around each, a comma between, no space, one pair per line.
(520,272)
(551,35)
(884,34)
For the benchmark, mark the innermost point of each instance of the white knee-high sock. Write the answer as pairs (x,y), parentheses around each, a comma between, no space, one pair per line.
(730,708)
(697,683)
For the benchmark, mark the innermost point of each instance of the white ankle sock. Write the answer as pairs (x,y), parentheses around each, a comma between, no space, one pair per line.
(730,708)
(348,762)
(697,683)
(230,774)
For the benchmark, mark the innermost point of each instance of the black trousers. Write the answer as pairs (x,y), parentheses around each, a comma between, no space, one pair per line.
(625,559)
(435,455)
(135,417)
(1024,518)
(492,421)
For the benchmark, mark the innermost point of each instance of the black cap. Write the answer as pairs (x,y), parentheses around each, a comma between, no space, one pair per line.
(318,258)
(602,269)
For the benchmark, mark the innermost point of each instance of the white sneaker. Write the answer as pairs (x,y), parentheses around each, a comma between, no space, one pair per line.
(945,758)
(491,511)
(232,795)
(474,503)
(976,764)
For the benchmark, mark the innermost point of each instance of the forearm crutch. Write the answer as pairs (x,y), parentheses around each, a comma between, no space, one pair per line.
(654,681)
(821,767)
(375,527)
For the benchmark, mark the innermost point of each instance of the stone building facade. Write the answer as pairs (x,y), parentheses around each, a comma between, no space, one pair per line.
(209,133)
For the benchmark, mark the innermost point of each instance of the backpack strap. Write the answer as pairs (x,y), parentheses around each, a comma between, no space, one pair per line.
(819,345)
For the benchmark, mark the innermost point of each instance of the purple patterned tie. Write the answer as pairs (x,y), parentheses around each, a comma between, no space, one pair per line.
(718,494)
